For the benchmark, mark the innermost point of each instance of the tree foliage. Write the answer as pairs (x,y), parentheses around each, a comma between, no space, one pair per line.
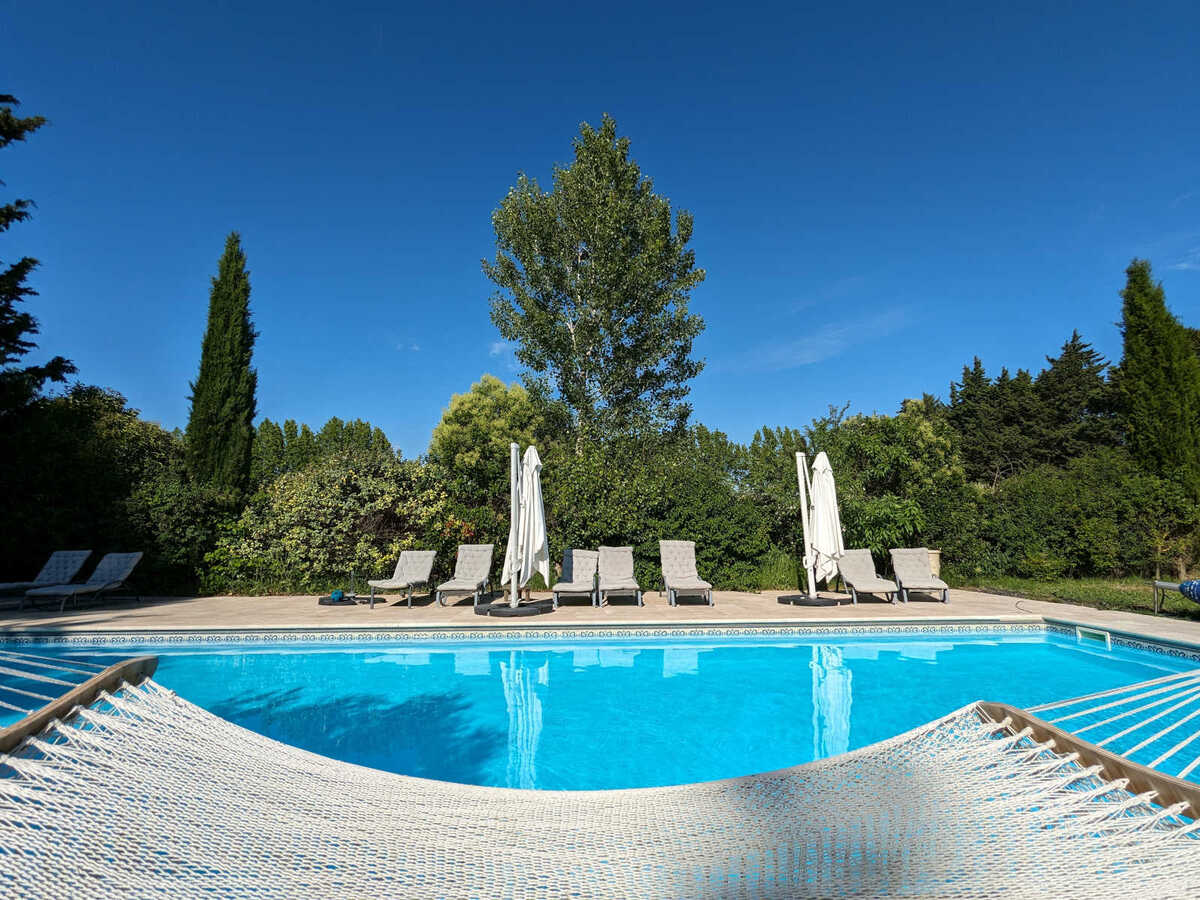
(1075,402)
(470,443)
(20,385)
(346,512)
(639,489)
(220,430)
(289,448)
(594,282)
(1158,382)
(1010,423)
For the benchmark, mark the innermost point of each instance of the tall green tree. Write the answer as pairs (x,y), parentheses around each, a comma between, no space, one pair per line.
(594,283)
(1158,382)
(300,446)
(19,385)
(1075,403)
(220,430)
(267,456)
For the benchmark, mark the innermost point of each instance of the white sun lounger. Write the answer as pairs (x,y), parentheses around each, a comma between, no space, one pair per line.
(858,572)
(413,568)
(472,573)
(913,573)
(112,572)
(679,571)
(616,574)
(578,575)
(60,568)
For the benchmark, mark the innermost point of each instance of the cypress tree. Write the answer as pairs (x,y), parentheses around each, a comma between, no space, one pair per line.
(220,431)
(266,460)
(1158,382)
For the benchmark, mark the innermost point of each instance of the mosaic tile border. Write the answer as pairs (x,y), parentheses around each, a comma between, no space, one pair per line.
(521,635)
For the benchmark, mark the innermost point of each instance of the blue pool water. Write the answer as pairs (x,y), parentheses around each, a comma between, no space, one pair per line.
(610,714)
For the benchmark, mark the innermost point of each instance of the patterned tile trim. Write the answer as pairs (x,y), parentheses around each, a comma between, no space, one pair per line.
(520,635)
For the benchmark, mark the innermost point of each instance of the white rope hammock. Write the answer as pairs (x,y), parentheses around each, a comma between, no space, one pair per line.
(1159,716)
(144,794)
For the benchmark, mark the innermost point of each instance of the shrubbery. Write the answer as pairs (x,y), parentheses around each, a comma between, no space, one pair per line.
(87,472)
(345,512)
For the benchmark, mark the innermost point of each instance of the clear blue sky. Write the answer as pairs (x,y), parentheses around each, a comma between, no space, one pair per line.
(881,191)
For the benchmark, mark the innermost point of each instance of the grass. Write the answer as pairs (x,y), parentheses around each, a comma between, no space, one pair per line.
(777,571)
(1128,594)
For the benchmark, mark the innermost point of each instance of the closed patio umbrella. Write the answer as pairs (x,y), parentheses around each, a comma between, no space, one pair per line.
(527,550)
(825,538)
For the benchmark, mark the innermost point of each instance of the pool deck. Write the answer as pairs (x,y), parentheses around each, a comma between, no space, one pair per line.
(280,613)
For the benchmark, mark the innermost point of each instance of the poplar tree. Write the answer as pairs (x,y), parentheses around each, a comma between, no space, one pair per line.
(19,385)
(220,431)
(594,280)
(1158,382)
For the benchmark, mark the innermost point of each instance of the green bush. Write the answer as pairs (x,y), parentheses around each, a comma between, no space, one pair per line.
(639,491)
(309,529)
(1100,515)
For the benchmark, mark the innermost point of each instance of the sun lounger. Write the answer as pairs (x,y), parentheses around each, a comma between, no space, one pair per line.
(60,568)
(413,568)
(112,573)
(578,575)
(913,573)
(858,572)
(472,573)
(679,571)
(616,574)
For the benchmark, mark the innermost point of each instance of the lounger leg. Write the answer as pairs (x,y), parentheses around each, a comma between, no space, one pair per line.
(372,600)
(946,596)
(640,601)
(410,590)
(904,594)
(437,596)
(710,599)
(555,600)
(854,596)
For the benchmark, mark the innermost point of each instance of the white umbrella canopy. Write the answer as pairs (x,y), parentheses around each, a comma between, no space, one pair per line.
(825,540)
(528,550)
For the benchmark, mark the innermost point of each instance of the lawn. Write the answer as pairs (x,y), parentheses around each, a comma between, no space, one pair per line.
(1131,594)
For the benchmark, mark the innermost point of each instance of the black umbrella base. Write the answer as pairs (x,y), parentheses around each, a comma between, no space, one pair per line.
(534,608)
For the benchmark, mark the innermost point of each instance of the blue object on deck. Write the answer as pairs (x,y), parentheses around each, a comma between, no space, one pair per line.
(1191,590)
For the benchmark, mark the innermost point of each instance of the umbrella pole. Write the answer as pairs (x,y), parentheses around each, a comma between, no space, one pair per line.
(515,485)
(802,478)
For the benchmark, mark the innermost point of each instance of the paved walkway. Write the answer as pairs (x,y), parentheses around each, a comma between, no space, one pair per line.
(279,613)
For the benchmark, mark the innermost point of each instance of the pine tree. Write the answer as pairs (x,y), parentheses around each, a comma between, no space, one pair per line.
(19,385)
(220,431)
(1075,403)
(974,415)
(1158,382)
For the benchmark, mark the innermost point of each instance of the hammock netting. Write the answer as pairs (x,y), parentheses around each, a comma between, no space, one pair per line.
(143,794)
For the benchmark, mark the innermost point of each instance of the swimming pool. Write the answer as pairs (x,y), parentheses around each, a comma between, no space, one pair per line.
(579,713)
